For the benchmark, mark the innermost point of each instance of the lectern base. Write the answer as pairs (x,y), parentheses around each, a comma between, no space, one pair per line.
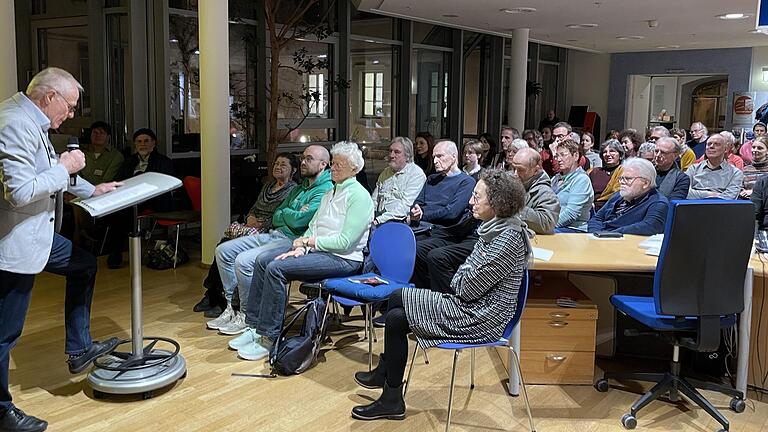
(123,373)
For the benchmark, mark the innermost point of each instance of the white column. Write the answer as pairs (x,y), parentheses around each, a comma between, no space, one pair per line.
(518,73)
(8,78)
(213,18)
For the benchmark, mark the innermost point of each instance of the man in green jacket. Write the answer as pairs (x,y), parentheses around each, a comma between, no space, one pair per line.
(236,258)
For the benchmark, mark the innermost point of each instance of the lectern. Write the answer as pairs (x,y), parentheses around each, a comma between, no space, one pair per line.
(146,367)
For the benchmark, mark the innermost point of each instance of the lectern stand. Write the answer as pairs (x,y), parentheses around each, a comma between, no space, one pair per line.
(145,368)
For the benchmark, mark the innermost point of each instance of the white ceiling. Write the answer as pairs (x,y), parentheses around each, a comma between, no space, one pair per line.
(689,24)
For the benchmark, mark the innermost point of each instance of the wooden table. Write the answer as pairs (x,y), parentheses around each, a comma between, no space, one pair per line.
(583,252)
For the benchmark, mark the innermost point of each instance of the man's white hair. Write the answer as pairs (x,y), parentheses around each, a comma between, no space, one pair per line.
(51,78)
(644,167)
(450,147)
(351,152)
(407,146)
(701,126)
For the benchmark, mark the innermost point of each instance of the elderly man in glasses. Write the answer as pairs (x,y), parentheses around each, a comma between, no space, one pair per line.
(637,208)
(672,182)
(714,177)
(699,137)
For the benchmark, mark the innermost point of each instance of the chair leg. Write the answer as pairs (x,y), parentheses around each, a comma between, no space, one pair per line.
(472,369)
(513,356)
(104,240)
(450,391)
(701,401)
(410,369)
(659,389)
(369,320)
(176,247)
(426,357)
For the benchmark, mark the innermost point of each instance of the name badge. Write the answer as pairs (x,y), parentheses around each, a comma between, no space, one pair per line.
(98,172)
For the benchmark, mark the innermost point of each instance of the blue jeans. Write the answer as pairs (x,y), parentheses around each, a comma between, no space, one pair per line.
(79,267)
(266,303)
(236,258)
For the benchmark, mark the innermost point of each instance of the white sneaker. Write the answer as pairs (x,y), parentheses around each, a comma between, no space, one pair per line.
(252,351)
(223,319)
(236,326)
(249,336)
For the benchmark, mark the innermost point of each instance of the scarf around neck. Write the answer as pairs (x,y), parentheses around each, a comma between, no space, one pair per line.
(489,230)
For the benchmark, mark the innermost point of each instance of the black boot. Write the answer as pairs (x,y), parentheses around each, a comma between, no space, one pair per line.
(14,420)
(374,379)
(390,405)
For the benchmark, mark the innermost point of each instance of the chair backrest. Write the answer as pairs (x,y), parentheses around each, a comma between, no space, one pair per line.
(703,258)
(522,297)
(193,186)
(393,250)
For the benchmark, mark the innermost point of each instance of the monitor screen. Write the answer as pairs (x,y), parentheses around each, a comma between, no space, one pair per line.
(577,114)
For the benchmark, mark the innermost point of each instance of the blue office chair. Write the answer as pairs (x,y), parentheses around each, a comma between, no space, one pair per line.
(522,295)
(393,250)
(697,292)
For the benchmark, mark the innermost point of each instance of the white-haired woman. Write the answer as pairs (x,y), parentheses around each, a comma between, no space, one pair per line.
(332,246)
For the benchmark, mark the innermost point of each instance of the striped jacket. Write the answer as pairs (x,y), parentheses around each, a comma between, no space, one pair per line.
(486,288)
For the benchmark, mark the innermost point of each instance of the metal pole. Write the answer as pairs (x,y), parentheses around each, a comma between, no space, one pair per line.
(134,251)
(745,328)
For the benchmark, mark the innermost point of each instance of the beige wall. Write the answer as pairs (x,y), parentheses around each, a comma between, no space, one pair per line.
(587,84)
(759,60)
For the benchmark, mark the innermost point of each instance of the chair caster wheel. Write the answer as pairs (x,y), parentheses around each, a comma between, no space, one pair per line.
(602,385)
(99,395)
(628,421)
(147,395)
(738,405)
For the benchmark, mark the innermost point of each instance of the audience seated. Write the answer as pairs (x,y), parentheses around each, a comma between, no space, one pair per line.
(508,134)
(144,159)
(542,208)
(549,121)
(699,137)
(560,132)
(637,208)
(745,151)
(442,203)
(647,151)
(671,182)
(240,237)
(509,153)
(473,159)
(423,145)
(730,142)
(484,294)
(687,157)
(546,136)
(236,258)
(759,198)
(573,189)
(398,185)
(715,177)
(587,143)
(534,139)
(605,180)
(490,149)
(631,140)
(758,168)
(332,246)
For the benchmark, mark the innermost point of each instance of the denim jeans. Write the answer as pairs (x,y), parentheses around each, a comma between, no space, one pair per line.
(266,303)
(236,259)
(79,267)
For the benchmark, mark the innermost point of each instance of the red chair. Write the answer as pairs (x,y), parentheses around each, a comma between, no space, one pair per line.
(193,186)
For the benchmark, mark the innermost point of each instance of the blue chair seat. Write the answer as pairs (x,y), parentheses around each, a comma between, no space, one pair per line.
(643,309)
(367,293)
(460,346)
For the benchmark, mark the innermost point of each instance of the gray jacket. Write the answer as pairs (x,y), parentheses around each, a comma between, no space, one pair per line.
(542,208)
(32,181)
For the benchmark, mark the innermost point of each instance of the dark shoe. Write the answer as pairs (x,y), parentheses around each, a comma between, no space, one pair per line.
(115,260)
(380,321)
(390,405)
(203,305)
(78,363)
(213,312)
(374,379)
(310,289)
(14,420)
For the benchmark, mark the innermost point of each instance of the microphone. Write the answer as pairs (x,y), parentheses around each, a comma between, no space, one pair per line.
(73,144)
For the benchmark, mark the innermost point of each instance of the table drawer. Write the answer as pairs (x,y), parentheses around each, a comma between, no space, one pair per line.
(558,367)
(557,334)
(534,311)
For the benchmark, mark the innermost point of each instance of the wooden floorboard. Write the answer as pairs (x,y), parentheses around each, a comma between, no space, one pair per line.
(210,399)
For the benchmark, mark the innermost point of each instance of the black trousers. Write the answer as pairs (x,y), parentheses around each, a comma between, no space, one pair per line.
(438,257)
(396,340)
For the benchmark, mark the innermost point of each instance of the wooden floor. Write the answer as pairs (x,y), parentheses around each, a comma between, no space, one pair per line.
(210,399)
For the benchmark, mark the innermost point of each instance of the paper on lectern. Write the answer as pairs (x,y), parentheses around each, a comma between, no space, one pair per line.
(134,191)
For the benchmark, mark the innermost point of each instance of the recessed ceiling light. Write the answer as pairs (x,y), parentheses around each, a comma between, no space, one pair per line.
(661,47)
(450,15)
(674,46)
(733,16)
(174,40)
(630,37)
(758,31)
(518,10)
(581,26)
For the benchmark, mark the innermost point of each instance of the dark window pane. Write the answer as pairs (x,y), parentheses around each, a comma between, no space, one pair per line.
(368,24)
(429,34)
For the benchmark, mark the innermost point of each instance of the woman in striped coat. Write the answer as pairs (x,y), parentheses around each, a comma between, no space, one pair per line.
(485,286)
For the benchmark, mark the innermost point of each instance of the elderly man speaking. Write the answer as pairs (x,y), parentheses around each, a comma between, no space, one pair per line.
(637,208)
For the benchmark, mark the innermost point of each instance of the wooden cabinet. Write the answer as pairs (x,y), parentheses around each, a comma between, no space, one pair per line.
(557,343)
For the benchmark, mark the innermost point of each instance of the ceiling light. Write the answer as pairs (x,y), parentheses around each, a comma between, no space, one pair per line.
(174,40)
(322,56)
(197,52)
(375,62)
(518,10)
(758,31)
(450,15)
(581,26)
(630,37)
(661,47)
(732,16)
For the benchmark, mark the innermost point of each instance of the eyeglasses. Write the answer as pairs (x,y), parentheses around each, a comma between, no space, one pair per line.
(653,139)
(561,155)
(660,151)
(628,179)
(72,108)
(560,135)
(307,159)
(695,130)
(475,197)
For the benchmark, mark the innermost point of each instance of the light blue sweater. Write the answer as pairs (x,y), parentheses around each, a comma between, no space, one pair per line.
(576,195)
